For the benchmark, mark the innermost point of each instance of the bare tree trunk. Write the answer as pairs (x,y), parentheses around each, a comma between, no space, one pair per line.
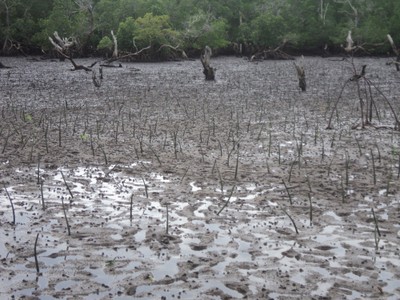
(205,58)
(63,47)
(115,42)
(396,51)
(301,75)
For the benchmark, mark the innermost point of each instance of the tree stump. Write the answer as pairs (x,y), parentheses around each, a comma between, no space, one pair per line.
(205,58)
(301,75)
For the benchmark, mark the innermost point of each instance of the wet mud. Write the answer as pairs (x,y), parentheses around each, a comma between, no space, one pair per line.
(179,188)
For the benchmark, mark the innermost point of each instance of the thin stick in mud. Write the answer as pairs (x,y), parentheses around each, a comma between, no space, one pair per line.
(237,163)
(373,167)
(184,174)
(38,170)
(376,222)
(65,215)
(167,225)
(12,205)
(311,208)
(291,219)
(66,184)
(145,188)
(130,208)
(41,194)
(227,201)
(287,191)
(35,254)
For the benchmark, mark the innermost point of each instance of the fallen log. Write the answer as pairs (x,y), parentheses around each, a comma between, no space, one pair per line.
(3,66)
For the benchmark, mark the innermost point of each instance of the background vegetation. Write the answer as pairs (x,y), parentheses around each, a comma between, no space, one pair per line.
(307,26)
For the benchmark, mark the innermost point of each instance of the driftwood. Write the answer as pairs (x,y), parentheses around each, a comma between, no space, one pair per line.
(111,66)
(3,66)
(205,58)
(128,55)
(301,75)
(396,51)
(176,49)
(275,53)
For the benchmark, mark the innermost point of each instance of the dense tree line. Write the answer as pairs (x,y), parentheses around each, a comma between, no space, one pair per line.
(246,26)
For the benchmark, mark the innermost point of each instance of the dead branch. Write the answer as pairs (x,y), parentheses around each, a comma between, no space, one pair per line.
(111,66)
(275,53)
(128,55)
(205,58)
(176,48)
(64,47)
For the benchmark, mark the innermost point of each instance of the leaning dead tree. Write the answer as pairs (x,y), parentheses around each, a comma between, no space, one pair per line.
(205,58)
(396,51)
(182,54)
(301,75)
(64,47)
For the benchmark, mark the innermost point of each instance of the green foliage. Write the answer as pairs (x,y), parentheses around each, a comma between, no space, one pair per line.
(203,29)
(306,24)
(125,34)
(154,31)
(66,19)
(105,43)
(267,30)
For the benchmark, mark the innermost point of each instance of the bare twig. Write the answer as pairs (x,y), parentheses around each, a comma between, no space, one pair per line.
(35,254)
(291,219)
(65,215)
(128,55)
(12,205)
(66,184)
(227,201)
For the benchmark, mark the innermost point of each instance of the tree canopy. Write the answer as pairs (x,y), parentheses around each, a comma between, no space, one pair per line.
(306,26)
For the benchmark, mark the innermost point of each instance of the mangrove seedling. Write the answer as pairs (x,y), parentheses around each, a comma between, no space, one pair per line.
(291,219)
(12,205)
(227,201)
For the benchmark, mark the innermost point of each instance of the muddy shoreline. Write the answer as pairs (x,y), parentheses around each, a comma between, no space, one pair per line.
(229,163)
